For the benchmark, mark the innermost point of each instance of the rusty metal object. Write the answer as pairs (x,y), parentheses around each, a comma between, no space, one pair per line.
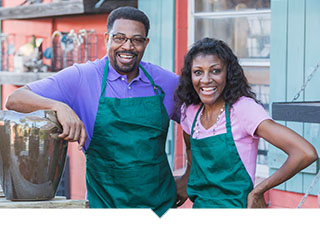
(32,157)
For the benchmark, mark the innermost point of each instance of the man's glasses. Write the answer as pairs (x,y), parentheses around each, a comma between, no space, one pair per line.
(122,39)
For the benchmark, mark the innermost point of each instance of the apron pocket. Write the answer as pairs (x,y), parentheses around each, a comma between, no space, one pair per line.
(140,187)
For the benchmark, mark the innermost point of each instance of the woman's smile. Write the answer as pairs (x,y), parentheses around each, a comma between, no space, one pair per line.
(208,77)
(208,90)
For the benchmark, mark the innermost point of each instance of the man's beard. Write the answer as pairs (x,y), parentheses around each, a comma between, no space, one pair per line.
(125,68)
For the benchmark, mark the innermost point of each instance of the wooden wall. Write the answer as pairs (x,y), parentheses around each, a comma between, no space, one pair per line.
(295,48)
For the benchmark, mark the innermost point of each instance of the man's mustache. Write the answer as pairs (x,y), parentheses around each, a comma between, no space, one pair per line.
(127,52)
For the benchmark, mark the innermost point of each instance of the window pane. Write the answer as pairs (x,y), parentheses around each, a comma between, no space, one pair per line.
(230,5)
(248,36)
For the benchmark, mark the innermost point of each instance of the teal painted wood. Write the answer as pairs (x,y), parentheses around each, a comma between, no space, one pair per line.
(295,68)
(276,157)
(312,57)
(278,59)
(295,48)
(160,50)
(307,180)
(295,27)
(312,48)
(278,71)
(168,34)
(281,186)
(295,184)
(161,14)
(296,59)
(312,134)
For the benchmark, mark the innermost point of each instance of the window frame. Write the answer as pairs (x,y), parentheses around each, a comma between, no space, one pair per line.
(192,16)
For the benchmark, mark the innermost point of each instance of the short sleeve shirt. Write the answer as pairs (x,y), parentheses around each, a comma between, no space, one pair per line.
(245,117)
(79,86)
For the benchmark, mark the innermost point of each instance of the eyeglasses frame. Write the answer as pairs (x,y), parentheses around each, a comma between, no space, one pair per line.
(127,38)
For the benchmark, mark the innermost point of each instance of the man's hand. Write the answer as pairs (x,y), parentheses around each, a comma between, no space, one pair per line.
(181,182)
(25,101)
(72,126)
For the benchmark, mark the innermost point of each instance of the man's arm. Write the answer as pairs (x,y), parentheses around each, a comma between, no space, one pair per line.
(25,101)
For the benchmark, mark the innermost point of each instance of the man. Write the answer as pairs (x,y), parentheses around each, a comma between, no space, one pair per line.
(118,108)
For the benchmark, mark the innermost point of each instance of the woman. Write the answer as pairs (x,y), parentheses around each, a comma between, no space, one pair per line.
(222,123)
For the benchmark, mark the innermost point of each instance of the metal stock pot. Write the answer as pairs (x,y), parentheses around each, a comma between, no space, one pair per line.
(32,157)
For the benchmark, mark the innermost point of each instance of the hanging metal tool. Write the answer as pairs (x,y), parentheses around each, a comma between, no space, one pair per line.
(57,52)
(72,47)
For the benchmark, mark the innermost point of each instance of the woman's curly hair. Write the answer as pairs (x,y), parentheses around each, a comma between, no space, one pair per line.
(236,83)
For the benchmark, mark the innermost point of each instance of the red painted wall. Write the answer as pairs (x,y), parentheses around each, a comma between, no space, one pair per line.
(181,48)
(43,28)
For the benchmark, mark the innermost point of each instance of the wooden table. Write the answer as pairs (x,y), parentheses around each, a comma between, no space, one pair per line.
(57,202)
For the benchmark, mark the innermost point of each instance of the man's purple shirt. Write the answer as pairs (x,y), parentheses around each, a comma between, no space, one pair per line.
(79,86)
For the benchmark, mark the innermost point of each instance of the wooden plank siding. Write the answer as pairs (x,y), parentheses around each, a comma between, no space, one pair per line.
(160,50)
(294,49)
(295,70)
(278,71)
(312,57)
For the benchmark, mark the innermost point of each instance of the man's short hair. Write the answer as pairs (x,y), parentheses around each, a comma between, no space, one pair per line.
(129,13)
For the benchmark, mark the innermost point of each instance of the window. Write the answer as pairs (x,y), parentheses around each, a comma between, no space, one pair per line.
(244,25)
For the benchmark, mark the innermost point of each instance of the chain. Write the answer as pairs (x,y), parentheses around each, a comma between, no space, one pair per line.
(315,179)
(303,87)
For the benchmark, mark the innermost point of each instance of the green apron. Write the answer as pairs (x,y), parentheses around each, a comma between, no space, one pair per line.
(218,178)
(126,163)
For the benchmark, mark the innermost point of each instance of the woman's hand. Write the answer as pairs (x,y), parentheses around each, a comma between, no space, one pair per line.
(300,155)
(256,200)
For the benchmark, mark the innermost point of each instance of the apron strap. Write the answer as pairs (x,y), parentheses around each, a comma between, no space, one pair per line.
(195,119)
(228,124)
(104,79)
(155,87)
(105,75)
